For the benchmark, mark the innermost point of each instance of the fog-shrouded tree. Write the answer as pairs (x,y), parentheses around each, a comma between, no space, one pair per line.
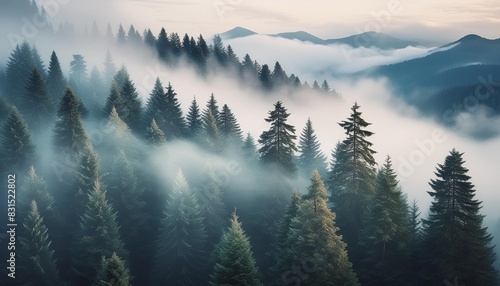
(114,100)
(352,180)
(212,137)
(132,105)
(19,65)
(70,137)
(121,77)
(4,109)
(230,130)
(278,143)
(112,272)
(194,121)
(265,77)
(213,108)
(17,146)
(249,150)
(98,236)
(180,258)
(56,83)
(163,45)
(233,259)
(36,104)
(149,38)
(154,135)
(109,68)
(385,238)
(310,155)
(37,263)
(278,75)
(458,245)
(314,244)
(78,76)
(121,36)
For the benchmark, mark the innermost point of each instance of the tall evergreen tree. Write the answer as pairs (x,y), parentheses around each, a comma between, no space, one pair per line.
(109,68)
(121,36)
(249,150)
(234,263)
(213,108)
(219,51)
(265,77)
(278,76)
(19,66)
(98,236)
(37,261)
(163,45)
(194,121)
(212,134)
(180,255)
(278,142)
(70,137)
(56,82)
(37,105)
(37,59)
(154,135)
(149,38)
(17,147)
(229,129)
(386,235)
(78,77)
(313,243)
(113,272)
(132,105)
(114,100)
(352,180)
(310,155)
(461,246)
(165,108)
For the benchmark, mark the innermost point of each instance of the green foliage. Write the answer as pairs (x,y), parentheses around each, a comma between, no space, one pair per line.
(310,155)
(18,149)
(229,129)
(180,257)
(98,235)
(314,245)
(37,265)
(19,66)
(132,106)
(234,264)
(386,235)
(113,272)
(278,142)
(212,133)
(194,121)
(56,83)
(154,135)
(70,137)
(352,180)
(249,150)
(454,231)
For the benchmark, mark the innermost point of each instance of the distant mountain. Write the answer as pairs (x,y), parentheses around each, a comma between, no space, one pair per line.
(456,74)
(368,39)
(301,36)
(373,39)
(238,32)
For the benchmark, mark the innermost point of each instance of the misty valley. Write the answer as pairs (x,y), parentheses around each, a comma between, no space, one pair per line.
(151,157)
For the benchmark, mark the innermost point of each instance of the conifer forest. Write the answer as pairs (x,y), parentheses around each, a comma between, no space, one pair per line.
(146,156)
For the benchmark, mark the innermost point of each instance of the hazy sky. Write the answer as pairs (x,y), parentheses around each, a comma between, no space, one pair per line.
(424,20)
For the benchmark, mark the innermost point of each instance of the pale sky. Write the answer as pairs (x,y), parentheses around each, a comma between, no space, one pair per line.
(439,21)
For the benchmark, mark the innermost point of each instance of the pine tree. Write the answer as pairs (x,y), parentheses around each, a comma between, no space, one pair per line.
(18,149)
(165,108)
(37,262)
(194,121)
(121,37)
(70,137)
(154,135)
(163,45)
(78,77)
(310,155)
(56,83)
(209,194)
(4,109)
(265,77)
(314,244)
(212,133)
(113,272)
(461,246)
(352,180)
(248,69)
(316,86)
(281,253)
(87,174)
(278,76)
(213,108)
(325,87)
(98,236)
(278,142)
(121,77)
(149,38)
(19,66)
(219,51)
(229,129)
(386,236)
(132,105)
(37,59)
(234,263)
(249,150)
(180,255)
(37,105)
(114,101)
(415,226)
(109,69)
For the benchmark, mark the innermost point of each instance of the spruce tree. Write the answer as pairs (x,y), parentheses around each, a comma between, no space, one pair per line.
(165,108)
(461,246)
(194,121)
(154,135)
(87,174)
(109,69)
(310,155)
(70,137)
(114,100)
(37,105)
(313,243)
(385,237)
(163,45)
(17,147)
(229,129)
(265,77)
(132,105)
(249,150)
(113,272)
(98,236)
(19,66)
(56,83)
(278,142)
(213,108)
(352,180)
(180,256)
(233,259)
(36,257)
(212,134)
(278,76)
(4,109)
